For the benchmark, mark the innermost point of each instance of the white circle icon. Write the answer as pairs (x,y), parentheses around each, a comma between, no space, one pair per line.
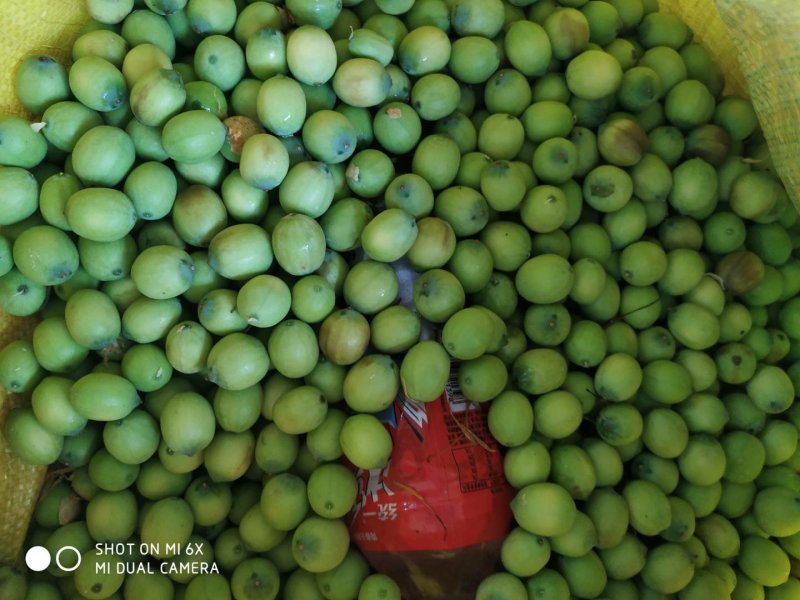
(37,558)
(78,558)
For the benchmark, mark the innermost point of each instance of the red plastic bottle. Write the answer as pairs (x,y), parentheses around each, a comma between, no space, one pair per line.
(435,517)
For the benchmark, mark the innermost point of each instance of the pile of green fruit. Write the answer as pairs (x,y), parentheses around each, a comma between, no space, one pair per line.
(212,212)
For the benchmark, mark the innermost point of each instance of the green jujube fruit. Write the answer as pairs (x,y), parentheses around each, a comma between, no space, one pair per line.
(693,325)
(107,261)
(237,361)
(424,371)
(370,286)
(397,127)
(97,84)
(311,55)
(40,82)
(240,251)
(91,581)
(54,347)
(695,188)
(467,333)
(45,255)
(437,295)
(265,54)
(771,389)
(152,188)
(307,188)
(298,244)
(92,319)
(555,510)
(103,156)
(607,188)
(293,348)
(187,423)
(264,300)
(329,136)
(281,105)
(29,440)
(66,121)
(146,320)
(103,397)
(100,214)
(157,96)
(204,95)
(389,235)
(649,507)
(21,194)
(365,441)
(593,74)
(539,370)
(544,279)
(51,406)
(436,159)
(372,383)
(193,136)
(528,47)
(361,82)
(343,223)
(162,272)
(21,143)
(134,439)
(423,50)
(219,60)
(688,104)
(474,59)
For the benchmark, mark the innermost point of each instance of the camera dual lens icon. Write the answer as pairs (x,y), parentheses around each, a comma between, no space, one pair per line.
(38,558)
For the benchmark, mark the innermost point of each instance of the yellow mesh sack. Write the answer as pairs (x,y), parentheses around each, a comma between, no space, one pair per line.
(756,42)
(31,27)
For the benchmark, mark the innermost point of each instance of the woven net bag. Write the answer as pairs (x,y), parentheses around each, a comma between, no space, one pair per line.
(31,27)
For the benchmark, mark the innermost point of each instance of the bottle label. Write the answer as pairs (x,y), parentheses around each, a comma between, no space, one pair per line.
(443,488)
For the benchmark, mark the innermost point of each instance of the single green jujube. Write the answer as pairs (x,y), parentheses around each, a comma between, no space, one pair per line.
(204,95)
(264,161)
(389,235)
(593,74)
(103,397)
(240,251)
(45,255)
(162,272)
(311,55)
(40,82)
(30,440)
(293,348)
(193,136)
(265,53)
(21,143)
(237,361)
(308,188)
(151,187)
(98,84)
(157,96)
(187,423)
(361,82)
(264,300)
(474,59)
(103,156)
(66,121)
(100,214)
(219,60)
(92,319)
(298,243)
(528,48)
